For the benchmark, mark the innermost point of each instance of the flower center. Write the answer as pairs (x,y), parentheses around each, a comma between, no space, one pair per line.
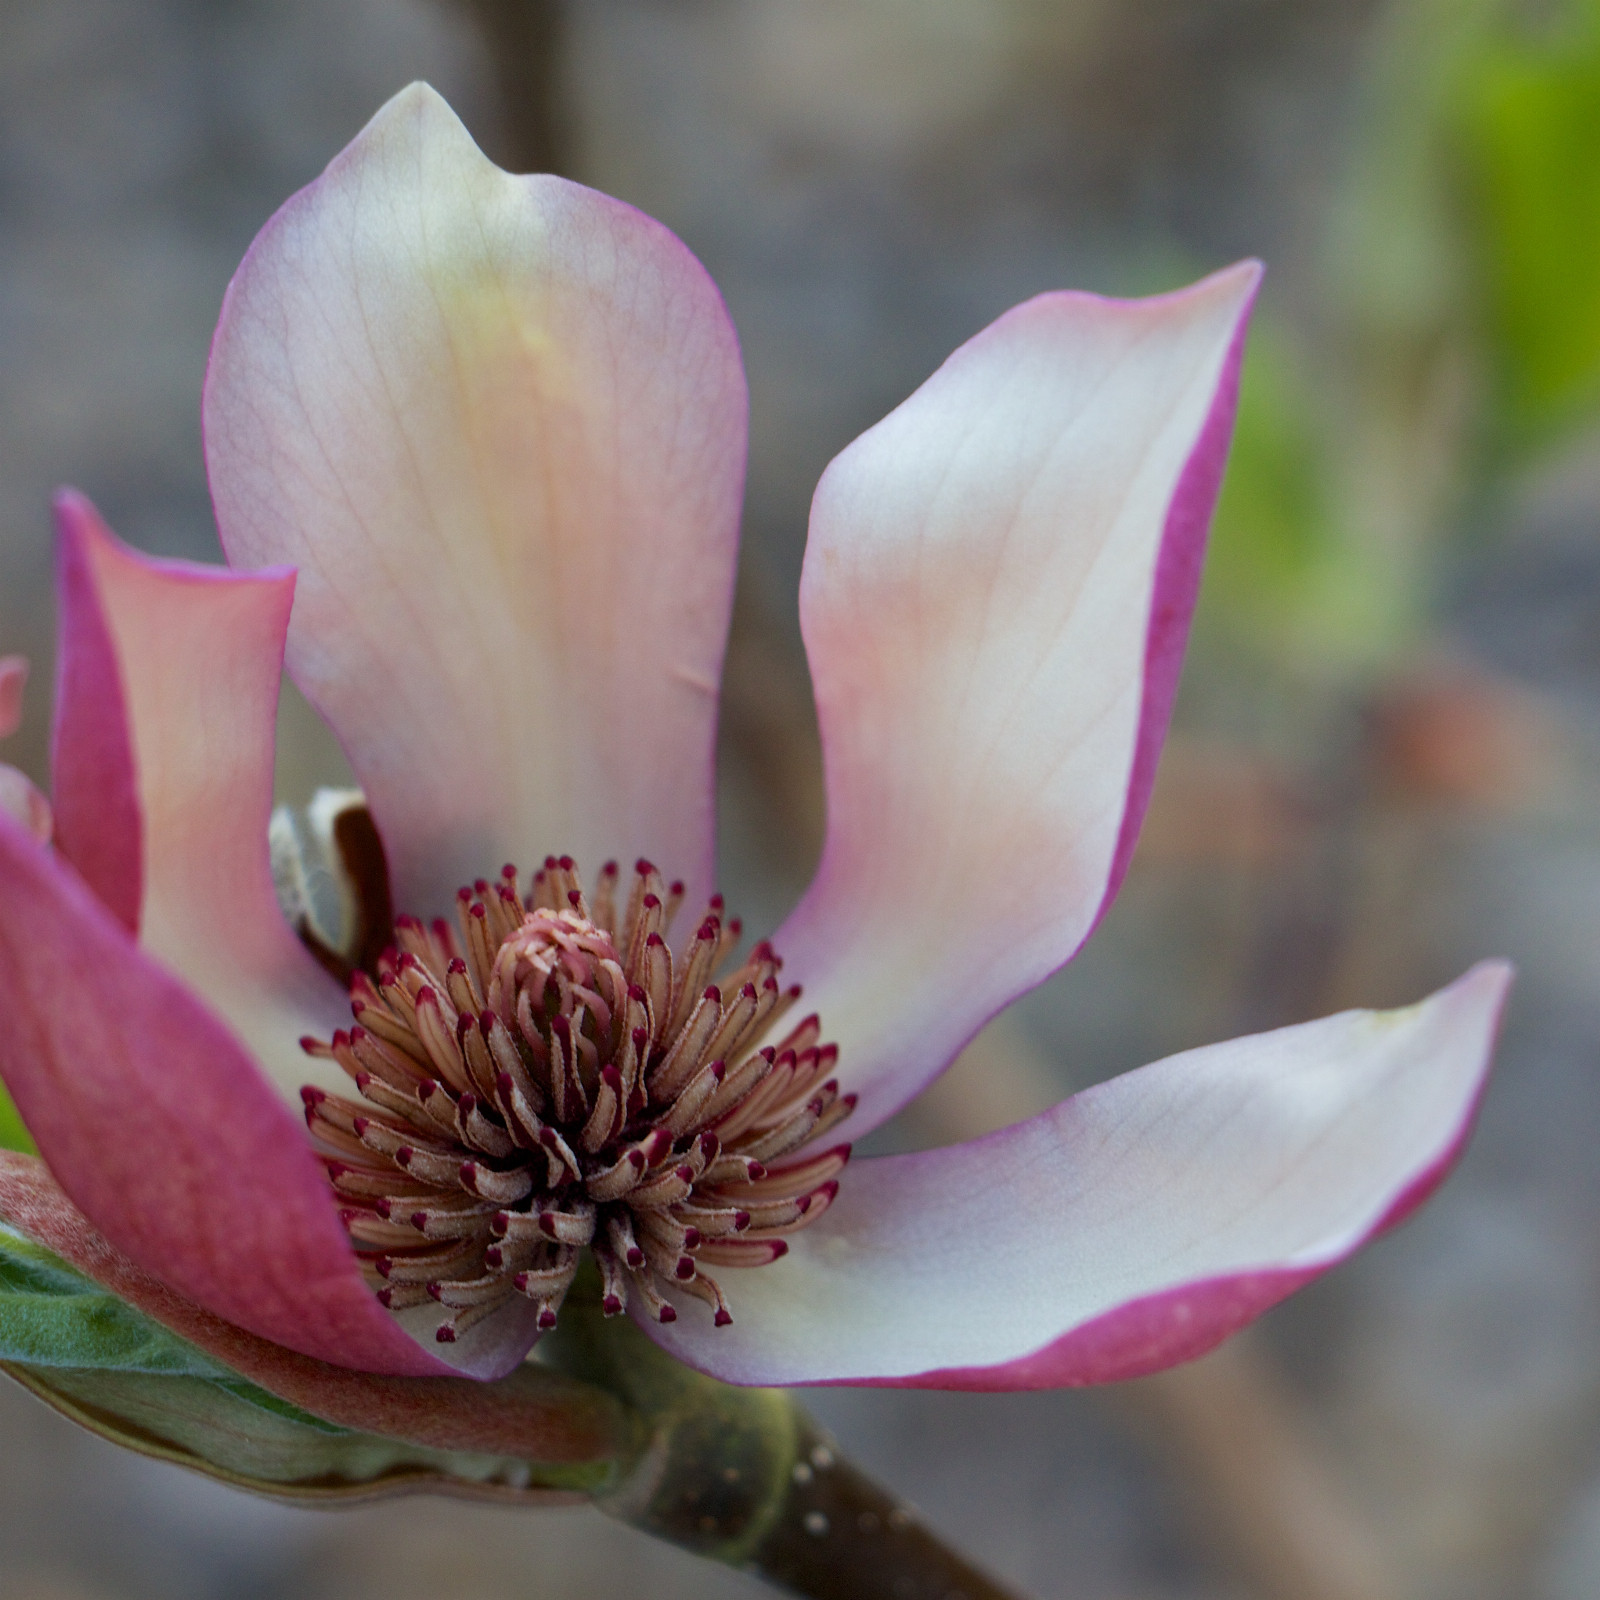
(551,1076)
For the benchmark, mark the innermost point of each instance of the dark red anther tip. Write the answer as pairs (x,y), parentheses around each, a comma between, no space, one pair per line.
(464,1025)
(502,1082)
(636,1160)
(427,1089)
(500,1224)
(468,1171)
(547,1137)
(456,965)
(407,961)
(736,926)
(479,910)
(716,902)
(667,1314)
(446,1334)
(710,929)
(685,1173)
(643,867)
(494,1257)
(506,893)
(550,863)
(650,902)
(362,1080)
(830,1188)
(709,1144)
(722,1318)
(769,986)
(611,1306)
(309,1045)
(547,1224)
(486,1020)
(574,899)
(359,1035)
(637,993)
(748,992)
(654,939)
(406,920)
(741,1221)
(481,885)
(767,1054)
(519,1282)
(385,1265)
(758,1169)
(684,1269)
(712,993)
(385,1298)
(568,864)
(435,1290)
(468,1102)
(635,1256)
(609,870)
(341,1039)
(641,1037)
(311,1096)
(509,870)
(426,996)
(804,1202)
(780,1247)
(547,1318)
(851,1099)
(404,1154)
(718,1070)
(560,1023)
(419,1220)
(691,1241)
(464,893)
(612,1078)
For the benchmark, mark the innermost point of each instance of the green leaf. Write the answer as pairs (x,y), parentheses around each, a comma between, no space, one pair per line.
(252,1440)
(105,1364)
(13,1136)
(52,1316)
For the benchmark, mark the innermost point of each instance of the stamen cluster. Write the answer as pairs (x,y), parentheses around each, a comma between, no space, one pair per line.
(549,1077)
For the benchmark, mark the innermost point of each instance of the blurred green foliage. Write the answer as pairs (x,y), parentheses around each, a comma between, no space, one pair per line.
(13,1136)
(1457,338)
(1528,131)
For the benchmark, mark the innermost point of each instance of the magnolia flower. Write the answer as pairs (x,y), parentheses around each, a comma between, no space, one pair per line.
(476,445)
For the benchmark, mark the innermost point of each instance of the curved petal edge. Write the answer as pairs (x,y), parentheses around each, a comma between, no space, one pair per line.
(1135,1226)
(996,597)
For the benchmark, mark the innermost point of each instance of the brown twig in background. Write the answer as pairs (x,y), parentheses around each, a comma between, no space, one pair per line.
(525,41)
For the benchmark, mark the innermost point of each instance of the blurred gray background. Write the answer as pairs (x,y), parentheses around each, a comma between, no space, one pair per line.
(870,181)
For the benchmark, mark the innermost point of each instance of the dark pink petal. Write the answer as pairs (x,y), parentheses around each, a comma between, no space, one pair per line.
(550,1419)
(498,423)
(1136,1225)
(93,779)
(164,747)
(162,1131)
(996,594)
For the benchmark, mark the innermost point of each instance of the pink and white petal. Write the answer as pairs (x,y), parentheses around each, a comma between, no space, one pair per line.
(13,681)
(498,423)
(995,601)
(93,779)
(158,1126)
(164,745)
(1136,1225)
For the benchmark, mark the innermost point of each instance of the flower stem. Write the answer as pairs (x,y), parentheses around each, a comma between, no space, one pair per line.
(744,1477)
